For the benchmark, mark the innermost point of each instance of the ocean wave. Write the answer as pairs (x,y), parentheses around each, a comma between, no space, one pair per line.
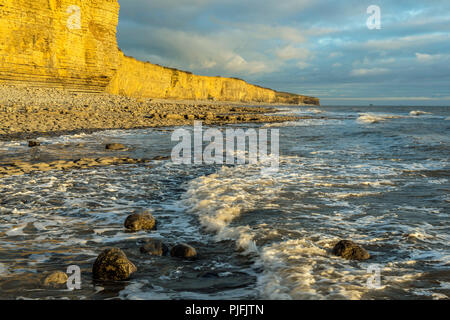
(303,269)
(345,195)
(375,118)
(418,113)
(3,270)
(315,110)
(303,123)
(220,198)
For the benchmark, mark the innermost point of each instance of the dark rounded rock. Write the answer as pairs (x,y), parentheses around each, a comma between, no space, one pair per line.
(154,247)
(140,221)
(113,265)
(349,250)
(32,144)
(115,146)
(184,251)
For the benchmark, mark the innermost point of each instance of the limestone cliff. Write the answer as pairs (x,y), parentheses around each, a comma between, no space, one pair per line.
(42,42)
(72,44)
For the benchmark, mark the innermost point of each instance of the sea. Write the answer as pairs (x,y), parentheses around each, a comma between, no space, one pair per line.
(378,176)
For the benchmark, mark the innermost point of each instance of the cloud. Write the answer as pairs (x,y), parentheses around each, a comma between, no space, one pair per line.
(431,58)
(237,64)
(303,65)
(368,72)
(217,54)
(411,41)
(335,55)
(292,53)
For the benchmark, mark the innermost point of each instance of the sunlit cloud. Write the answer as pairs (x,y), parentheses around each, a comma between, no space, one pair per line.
(368,72)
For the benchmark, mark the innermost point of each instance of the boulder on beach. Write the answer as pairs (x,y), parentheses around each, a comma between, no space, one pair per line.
(56,279)
(33,143)
(140,221)
(184,251)
(113,265)
(349,250)
(154,247)
(115,146)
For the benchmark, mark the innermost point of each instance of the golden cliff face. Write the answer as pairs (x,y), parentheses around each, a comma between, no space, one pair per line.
(72,44)
(66,43)
(142,79)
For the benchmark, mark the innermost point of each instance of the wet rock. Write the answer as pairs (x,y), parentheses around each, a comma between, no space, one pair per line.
(115,146)
(33,143)
(154,247)
(56,279)
(184,251)
(113,264)
(140,221)
(349,250)
(160,158)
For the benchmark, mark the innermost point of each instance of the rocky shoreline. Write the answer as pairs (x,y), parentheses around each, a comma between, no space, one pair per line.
(28,113)
(18,167)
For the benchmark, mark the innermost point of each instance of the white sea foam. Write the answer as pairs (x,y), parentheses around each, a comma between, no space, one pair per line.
(3,270)
(418,113)
(315,110)
(16,230)
(303,123)
(345,195)
(375,118)
(220,198)
(303,269)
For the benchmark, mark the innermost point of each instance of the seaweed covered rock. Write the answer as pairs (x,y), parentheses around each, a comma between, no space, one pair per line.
(33,144)
(349,250)
(140,221)
(115,146)
(113,264)
(154,247)
(184,251)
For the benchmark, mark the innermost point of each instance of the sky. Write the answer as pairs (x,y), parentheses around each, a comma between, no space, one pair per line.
(321,48)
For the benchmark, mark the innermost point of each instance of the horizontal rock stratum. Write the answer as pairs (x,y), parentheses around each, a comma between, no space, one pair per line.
(72,44)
